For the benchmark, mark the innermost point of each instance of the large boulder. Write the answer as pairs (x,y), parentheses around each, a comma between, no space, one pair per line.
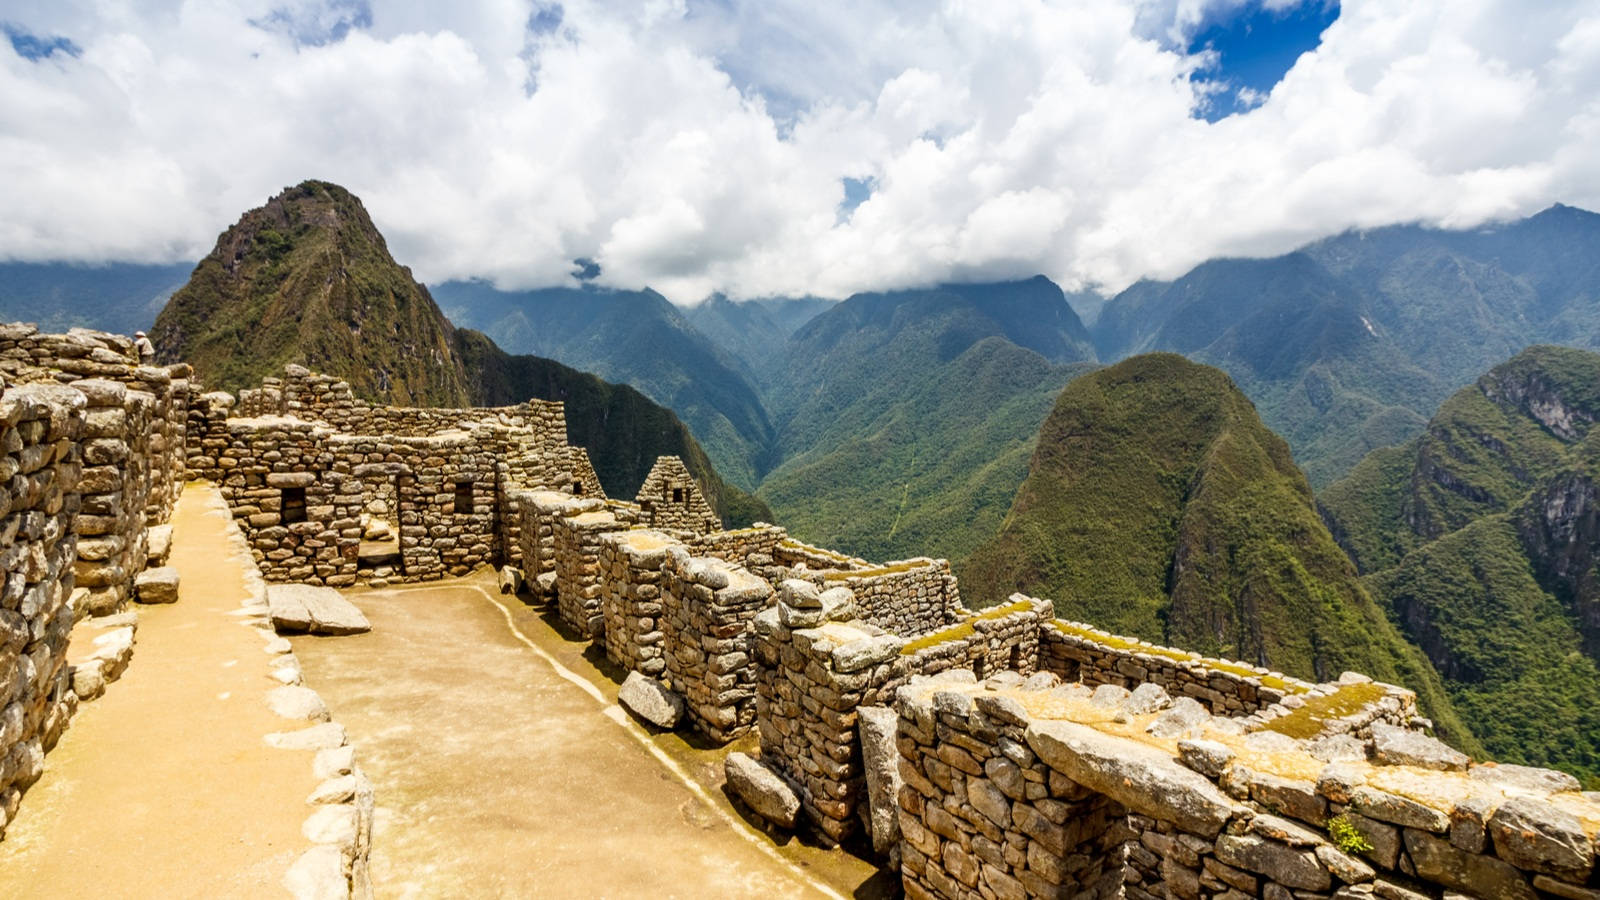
(158,585)
(650,700)
(762,789)
(1395,746)
(307,608)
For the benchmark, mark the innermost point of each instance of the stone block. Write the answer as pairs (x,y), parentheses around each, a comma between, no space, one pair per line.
(158,585)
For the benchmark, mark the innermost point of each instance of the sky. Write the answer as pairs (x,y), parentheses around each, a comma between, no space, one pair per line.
(785,147)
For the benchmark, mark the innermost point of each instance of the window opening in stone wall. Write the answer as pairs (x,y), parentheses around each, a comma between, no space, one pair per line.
(677,495)
(577,489)
(1016,658)
(292,507)
(463,497)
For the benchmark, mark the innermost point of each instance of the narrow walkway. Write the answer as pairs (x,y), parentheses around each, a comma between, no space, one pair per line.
(164,786)
(502,770)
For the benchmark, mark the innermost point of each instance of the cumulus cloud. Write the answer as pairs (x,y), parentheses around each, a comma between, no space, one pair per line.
(706,146)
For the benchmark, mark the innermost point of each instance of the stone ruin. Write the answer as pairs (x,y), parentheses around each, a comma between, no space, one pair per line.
(995,754)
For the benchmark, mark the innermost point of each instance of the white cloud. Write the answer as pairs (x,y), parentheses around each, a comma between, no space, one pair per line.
(696,147)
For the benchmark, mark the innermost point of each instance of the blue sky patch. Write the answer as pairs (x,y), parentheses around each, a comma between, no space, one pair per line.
(856,192)
(36,47)
(1256,48)
(318,27)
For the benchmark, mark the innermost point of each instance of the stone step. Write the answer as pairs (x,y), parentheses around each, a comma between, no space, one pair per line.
(306,608)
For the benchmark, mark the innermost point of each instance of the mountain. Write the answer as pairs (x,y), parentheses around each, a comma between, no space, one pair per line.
(1157,504)
(1352,342)
(754,331)
(117,297)
(638,338)
(307,278)
(1482,537)
(905,418)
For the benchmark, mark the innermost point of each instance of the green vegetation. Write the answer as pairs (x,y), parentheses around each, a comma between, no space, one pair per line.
(1476,538)
(1157,505)
(1347,837)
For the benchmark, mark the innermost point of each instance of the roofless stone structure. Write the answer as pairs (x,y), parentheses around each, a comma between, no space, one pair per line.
(983,754)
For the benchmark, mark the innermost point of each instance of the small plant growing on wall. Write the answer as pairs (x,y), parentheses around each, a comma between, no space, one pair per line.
(1347,837)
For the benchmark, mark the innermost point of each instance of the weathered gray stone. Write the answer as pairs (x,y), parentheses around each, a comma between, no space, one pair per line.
(332,824)
(650,700)
(1140,777)
(510,580)
(762,789)
(338,789)
(158,544)
(1338,748)
(1524,778)
(333,762)
(1386,807)
(1186,713)
(1209,758)
(1483,876)
(858,655)
(314,609)
(317,737)
(293,702)
(1534,835)
(158,585)
(880,758)
(1396,746)
(1108,696)
(318,874)
(1287,866)
(1146,698)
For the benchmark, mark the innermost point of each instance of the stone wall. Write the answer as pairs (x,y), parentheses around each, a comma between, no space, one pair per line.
(1079,652)
(631,565)
(116,490)
(709,633)
(269,460)
(739,545)
(576,544)
(40,436)
(206,435)
(1005,638)
(1018,788)
(908,598)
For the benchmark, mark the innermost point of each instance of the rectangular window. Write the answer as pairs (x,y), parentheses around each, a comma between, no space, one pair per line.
(577,489)
(463,497)
(293,505)
(677,495)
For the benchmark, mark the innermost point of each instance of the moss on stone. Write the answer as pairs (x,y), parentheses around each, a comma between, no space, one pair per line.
(1307,721)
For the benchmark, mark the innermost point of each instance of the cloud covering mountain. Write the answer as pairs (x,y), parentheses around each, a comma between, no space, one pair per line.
(697,147)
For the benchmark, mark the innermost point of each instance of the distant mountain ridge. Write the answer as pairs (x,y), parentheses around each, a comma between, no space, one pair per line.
(1482,536)
(638,338)
(1350,343)
(116,297)
(307,278)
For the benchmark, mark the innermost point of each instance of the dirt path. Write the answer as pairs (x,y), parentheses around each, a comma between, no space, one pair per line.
(164,787)
(502,768)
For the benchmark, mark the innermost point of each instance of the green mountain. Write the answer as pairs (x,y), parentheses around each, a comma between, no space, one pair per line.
(755,332)
(1351,343)
(307,278)
(117,297)
(1482,537)
(905,418)
(637,338)
(1158,505)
